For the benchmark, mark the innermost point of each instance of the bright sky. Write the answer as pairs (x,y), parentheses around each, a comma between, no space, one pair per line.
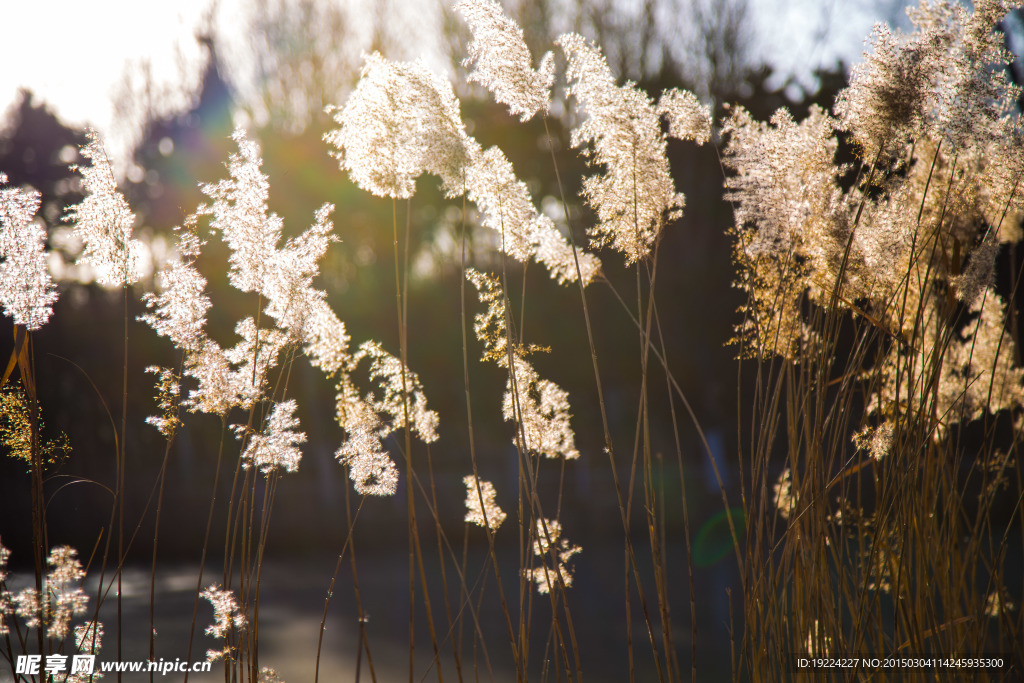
(799,35)
(74,54)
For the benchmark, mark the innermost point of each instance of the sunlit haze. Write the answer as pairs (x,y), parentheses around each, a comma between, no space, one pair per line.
(73,55)
(82,58)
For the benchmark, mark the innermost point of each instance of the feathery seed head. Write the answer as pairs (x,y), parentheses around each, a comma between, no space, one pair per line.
(168,399)
(396,392)
(508,209)
(288,284)
(16,429)
(178,312)
(490,325)
(887,101)
(501,61)
(6,606)
(875,440)
(371,469)
(687,118)
(370,419)
(29,607)
(326,338)
(635,195)
(998,603)
(541,407)
(255,354)
(103,222)
(239,213)
(785,500)
(400,121)
(227,618)
(945,80)
(480,506)
(979,274)
(89,637)
(785,180)
(548,541)
(268,675)
(219,387)
(64,595)
(88,640)
(27,292)
(6,609)
(277,448)
(5,554)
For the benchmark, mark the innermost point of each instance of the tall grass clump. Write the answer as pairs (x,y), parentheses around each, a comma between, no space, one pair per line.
(883,354)
(880,394)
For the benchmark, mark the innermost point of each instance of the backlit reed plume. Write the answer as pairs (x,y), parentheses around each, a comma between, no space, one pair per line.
(228,620)
(481,508)
(27,292)
(402,120)
(547,544)
(634,197)
(104,222)
(61,599)
(539,407)
(501,61)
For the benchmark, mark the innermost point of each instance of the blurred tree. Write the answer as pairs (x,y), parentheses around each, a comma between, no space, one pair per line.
(36,149)
(178,150)
(716,49)
(305,55)
(703,44)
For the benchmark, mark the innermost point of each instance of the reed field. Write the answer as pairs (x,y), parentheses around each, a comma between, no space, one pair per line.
(868,499)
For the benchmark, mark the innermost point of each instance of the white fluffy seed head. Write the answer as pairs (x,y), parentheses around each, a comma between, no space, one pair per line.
(481,508)
(27,292)
(103,222)
(507,208)
(371,469)
(400,121)
(501,62)
(239,212)
(634,197)
(178,312)
(276,449)
(555,553)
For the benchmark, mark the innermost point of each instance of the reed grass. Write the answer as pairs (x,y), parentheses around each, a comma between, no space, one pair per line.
(880,394)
